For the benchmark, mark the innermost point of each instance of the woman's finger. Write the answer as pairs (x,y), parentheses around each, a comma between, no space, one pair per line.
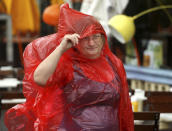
(77,36)
(74,39)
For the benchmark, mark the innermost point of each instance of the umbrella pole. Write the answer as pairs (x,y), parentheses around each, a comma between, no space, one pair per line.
(20,47)
(137,52)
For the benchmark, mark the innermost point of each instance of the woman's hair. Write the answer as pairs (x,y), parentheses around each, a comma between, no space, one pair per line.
(103,38)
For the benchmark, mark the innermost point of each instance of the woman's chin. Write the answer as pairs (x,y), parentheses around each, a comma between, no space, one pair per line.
(93,55)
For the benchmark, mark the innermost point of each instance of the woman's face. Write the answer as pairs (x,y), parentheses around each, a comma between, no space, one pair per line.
(91,46)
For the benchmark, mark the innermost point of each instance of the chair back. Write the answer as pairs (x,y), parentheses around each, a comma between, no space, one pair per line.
(10,96)
(159,101)
(146,121)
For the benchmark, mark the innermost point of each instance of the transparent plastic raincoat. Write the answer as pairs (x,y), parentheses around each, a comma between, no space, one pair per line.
(45,108)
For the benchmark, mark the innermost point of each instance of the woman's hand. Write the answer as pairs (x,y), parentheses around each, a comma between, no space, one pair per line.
(69,41)
(43,71)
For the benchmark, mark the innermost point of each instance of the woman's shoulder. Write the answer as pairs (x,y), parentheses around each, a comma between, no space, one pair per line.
(45,40)
(42,46)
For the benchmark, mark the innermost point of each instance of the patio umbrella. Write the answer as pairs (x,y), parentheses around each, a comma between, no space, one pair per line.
(25,15)
(25,18)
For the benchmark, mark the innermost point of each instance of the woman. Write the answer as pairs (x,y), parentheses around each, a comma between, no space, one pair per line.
(73,81)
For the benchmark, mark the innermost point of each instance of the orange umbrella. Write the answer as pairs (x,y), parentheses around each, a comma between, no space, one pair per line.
(25,15)
(25,18)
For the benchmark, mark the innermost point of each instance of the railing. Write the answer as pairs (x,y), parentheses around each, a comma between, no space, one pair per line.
(161,76)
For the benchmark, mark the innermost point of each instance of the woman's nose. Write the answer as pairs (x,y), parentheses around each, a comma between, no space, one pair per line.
(91,41)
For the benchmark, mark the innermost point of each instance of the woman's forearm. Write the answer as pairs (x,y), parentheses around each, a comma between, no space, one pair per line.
(47,67)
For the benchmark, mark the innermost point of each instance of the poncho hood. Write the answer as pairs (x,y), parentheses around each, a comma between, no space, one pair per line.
(72,21)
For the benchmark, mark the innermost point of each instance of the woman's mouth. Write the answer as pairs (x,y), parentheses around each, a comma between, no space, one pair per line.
(91,48)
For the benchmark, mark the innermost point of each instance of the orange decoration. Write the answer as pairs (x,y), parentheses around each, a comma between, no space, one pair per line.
(51,14)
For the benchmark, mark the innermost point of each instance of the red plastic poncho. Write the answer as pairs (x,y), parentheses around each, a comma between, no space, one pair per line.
(44,107)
